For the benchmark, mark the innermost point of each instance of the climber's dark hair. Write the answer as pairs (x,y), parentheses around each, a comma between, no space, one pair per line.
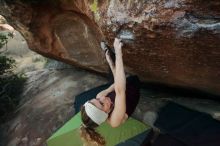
(87,131)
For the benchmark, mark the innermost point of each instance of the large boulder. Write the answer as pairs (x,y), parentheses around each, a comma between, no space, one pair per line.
(172,42)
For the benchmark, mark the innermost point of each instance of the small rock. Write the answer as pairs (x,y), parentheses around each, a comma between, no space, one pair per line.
(150,117)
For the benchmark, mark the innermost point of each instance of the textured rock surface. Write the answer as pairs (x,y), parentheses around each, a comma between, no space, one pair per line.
(173,42)
(46,105)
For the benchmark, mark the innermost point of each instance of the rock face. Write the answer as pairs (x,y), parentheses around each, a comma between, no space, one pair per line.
(173,42)
(46,105)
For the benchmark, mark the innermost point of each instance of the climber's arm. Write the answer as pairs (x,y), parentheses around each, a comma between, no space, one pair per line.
(106,91)
(119,112)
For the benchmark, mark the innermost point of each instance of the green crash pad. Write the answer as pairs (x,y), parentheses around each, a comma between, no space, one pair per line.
(69,135)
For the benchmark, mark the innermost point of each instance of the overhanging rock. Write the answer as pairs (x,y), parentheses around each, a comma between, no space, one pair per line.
(173,42)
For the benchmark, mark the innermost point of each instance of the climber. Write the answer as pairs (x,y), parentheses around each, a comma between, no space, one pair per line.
(114,104)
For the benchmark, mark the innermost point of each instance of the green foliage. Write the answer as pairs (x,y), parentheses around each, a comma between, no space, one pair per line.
(10,89)
(11,85)
(6,64)
(3,39)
